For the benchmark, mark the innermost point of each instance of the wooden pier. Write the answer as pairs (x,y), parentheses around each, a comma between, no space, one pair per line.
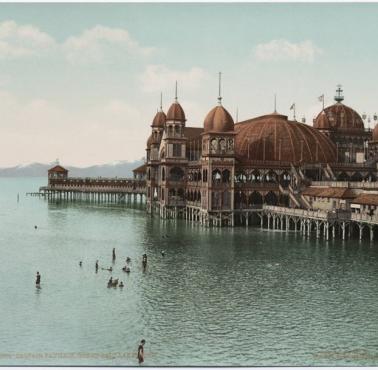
(326,224)
(110,190)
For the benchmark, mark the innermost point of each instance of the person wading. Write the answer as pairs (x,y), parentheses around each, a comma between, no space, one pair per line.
(114,255)
(141,351)
(38,279)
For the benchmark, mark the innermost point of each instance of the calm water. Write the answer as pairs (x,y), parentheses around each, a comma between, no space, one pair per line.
(218,297)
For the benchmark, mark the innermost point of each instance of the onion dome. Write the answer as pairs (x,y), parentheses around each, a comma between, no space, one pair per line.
(176,113)
(159,119)
(149,141)
(218,120)
(274,138)
(375,133)
(340,117)
(322,121)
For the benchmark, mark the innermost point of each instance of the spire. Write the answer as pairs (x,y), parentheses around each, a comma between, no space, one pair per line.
(161,101)
(237,115)
(275,103)
(339,94)
(219,89)
(176,100)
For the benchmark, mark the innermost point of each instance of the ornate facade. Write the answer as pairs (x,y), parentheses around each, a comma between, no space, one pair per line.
(219,173)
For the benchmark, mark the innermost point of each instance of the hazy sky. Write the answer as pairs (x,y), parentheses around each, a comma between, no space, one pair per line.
(81,82)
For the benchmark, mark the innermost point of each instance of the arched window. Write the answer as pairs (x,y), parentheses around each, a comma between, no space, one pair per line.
(226,176)
(255,199)
(163,174)
(216,176)
(176,174)
(204,175)
(181,194)
(241,177)
(271,199)
(226,204)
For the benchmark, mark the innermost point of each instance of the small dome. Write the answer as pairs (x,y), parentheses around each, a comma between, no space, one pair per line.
(176,113)
(274,138)
(153,140)
(159,119)
(375,133)
(339,117)
(218,120)
(149,142)
(322,122)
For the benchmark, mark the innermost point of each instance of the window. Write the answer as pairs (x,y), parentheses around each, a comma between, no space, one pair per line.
(177,150)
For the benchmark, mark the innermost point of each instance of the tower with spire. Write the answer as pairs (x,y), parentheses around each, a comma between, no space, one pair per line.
(218,163)
(173,162)
(152,155)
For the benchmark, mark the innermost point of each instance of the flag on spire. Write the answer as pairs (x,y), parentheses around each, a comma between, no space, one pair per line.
(321,99)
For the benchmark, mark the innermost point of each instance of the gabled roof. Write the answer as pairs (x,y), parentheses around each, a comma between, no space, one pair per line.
(140,169)
(193,133)
(367,199)
(341,193)
(57,168)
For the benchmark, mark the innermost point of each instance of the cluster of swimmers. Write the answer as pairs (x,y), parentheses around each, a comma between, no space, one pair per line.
(111,282)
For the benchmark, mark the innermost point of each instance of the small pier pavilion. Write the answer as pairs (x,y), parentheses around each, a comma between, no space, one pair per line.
(99,189)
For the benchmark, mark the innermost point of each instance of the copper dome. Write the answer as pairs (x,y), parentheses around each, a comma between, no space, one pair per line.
(218,120)
(176,113)
(340,117)
(159,119)
(274,138)
(152,139)
(149,141)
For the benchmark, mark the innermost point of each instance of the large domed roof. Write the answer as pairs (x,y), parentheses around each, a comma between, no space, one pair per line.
(218,120)
(339,117)
(159,119)
(176,113)
(274,138)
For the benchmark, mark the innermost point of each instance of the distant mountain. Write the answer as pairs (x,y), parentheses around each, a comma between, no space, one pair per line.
(114,169)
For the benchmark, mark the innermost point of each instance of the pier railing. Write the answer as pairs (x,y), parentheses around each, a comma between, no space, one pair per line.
(304,213)
(97,185)
(347,184)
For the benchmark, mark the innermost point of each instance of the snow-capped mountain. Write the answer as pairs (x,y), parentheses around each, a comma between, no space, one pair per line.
(113,169)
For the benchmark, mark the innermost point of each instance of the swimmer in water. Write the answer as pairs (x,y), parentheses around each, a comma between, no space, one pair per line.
(121,284)
(141,351)
(38,279)
(80,263)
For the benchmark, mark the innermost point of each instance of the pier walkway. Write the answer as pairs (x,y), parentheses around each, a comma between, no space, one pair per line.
(95,189)
(323,223)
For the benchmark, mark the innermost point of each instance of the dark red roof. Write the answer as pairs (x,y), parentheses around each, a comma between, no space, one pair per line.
(140,169)
(329,192)
(176,113)
(367,199)
(57,168)
(159,119)
(339,117)
(274,138)
(218,120)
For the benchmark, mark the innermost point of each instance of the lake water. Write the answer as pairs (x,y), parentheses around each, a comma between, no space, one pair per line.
(218,297)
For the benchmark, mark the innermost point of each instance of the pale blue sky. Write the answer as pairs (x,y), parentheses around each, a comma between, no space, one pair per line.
(81,81)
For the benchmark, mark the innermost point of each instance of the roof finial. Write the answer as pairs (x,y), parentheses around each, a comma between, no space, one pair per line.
(275,103)
(176,92)
(237,115)
(161,101)
(220,87)
(339,94)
